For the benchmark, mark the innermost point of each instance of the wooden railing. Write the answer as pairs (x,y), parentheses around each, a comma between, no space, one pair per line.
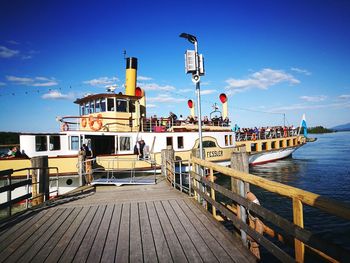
(205,189)
(28,182)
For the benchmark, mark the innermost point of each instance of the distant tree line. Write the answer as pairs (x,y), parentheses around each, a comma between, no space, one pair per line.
(7,138)
(319,129)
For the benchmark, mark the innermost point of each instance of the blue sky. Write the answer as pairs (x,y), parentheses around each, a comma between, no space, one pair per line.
(270,57)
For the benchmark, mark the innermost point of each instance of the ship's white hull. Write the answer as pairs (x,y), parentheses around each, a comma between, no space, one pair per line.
(269,156)
(66,184)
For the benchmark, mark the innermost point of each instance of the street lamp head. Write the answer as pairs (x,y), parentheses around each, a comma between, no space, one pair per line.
(189,37)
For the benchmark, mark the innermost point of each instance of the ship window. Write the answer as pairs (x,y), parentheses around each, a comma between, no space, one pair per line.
(87,108)
(40,143)
(74,142)
(169,141)
(121,105)
(103,105)
(131,106)
(253,147)
(226,140)
(82,110)
(97,106)
(180,142)
(273,145)
(124,143)
(208,144)
(263,146)
(55,143)
(281,144)
(92,106)
(231,141)
(110,104)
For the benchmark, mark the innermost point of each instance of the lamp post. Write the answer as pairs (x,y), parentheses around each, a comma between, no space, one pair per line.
(194,65)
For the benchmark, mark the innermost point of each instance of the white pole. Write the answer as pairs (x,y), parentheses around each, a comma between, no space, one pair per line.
(199,111)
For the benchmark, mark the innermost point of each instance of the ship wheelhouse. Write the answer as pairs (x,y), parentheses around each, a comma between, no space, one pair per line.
(110,112)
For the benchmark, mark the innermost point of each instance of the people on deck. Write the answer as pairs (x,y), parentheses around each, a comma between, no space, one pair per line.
(172,117)
(14,153)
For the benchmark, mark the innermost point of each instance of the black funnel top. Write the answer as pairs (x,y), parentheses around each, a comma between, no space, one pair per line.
(131,63)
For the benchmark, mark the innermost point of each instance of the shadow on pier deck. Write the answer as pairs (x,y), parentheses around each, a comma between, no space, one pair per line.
(151,223)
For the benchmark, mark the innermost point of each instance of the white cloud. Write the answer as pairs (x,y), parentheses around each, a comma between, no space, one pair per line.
(163,98)
(151,106)
(2,84)
(143,78)
(302,71)
(317,98)
(208,91)
(7,53)
(155,86)
(102,81)
(56,95)
(205,83)
(35,82)
(186,90)
(344,97)
(262,79)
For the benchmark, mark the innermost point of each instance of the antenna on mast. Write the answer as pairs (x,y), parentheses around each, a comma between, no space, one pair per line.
(124,53)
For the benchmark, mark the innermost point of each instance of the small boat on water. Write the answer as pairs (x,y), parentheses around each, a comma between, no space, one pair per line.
(112,125)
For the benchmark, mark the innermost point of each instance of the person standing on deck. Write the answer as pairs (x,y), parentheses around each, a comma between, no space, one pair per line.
(88,163)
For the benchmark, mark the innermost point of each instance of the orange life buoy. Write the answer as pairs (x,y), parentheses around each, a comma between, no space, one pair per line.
(254,136)
(93,120)
(83,122)
(65,127)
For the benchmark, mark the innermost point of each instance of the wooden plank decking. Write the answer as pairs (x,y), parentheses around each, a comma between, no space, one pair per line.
(153,223)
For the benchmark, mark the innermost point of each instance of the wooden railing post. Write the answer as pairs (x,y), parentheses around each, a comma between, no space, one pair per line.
(212,191)
(168,163)
(40,176)
(298,219)
(240,162)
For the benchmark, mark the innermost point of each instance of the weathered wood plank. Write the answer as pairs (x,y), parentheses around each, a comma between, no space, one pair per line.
(15,244)
(176,250)
(110,247)
(86,243)
(35,245)
(135,235)
(162,246)
(74,243)
(14,228)
(232,245)
(205,229)
(190,250)
(148,245)
(41,255)
(200,244)
(64,240)
(99,242)
(122,254)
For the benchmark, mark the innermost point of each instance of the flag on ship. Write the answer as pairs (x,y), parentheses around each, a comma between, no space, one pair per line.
(303,124)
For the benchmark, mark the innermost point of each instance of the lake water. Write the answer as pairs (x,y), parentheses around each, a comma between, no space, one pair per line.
(321,167)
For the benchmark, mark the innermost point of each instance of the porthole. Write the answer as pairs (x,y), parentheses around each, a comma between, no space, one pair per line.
(69,181)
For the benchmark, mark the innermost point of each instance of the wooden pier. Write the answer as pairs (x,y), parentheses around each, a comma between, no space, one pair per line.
(151,223)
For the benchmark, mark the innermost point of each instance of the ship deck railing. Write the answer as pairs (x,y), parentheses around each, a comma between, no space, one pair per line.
(265,135)
(73,123)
